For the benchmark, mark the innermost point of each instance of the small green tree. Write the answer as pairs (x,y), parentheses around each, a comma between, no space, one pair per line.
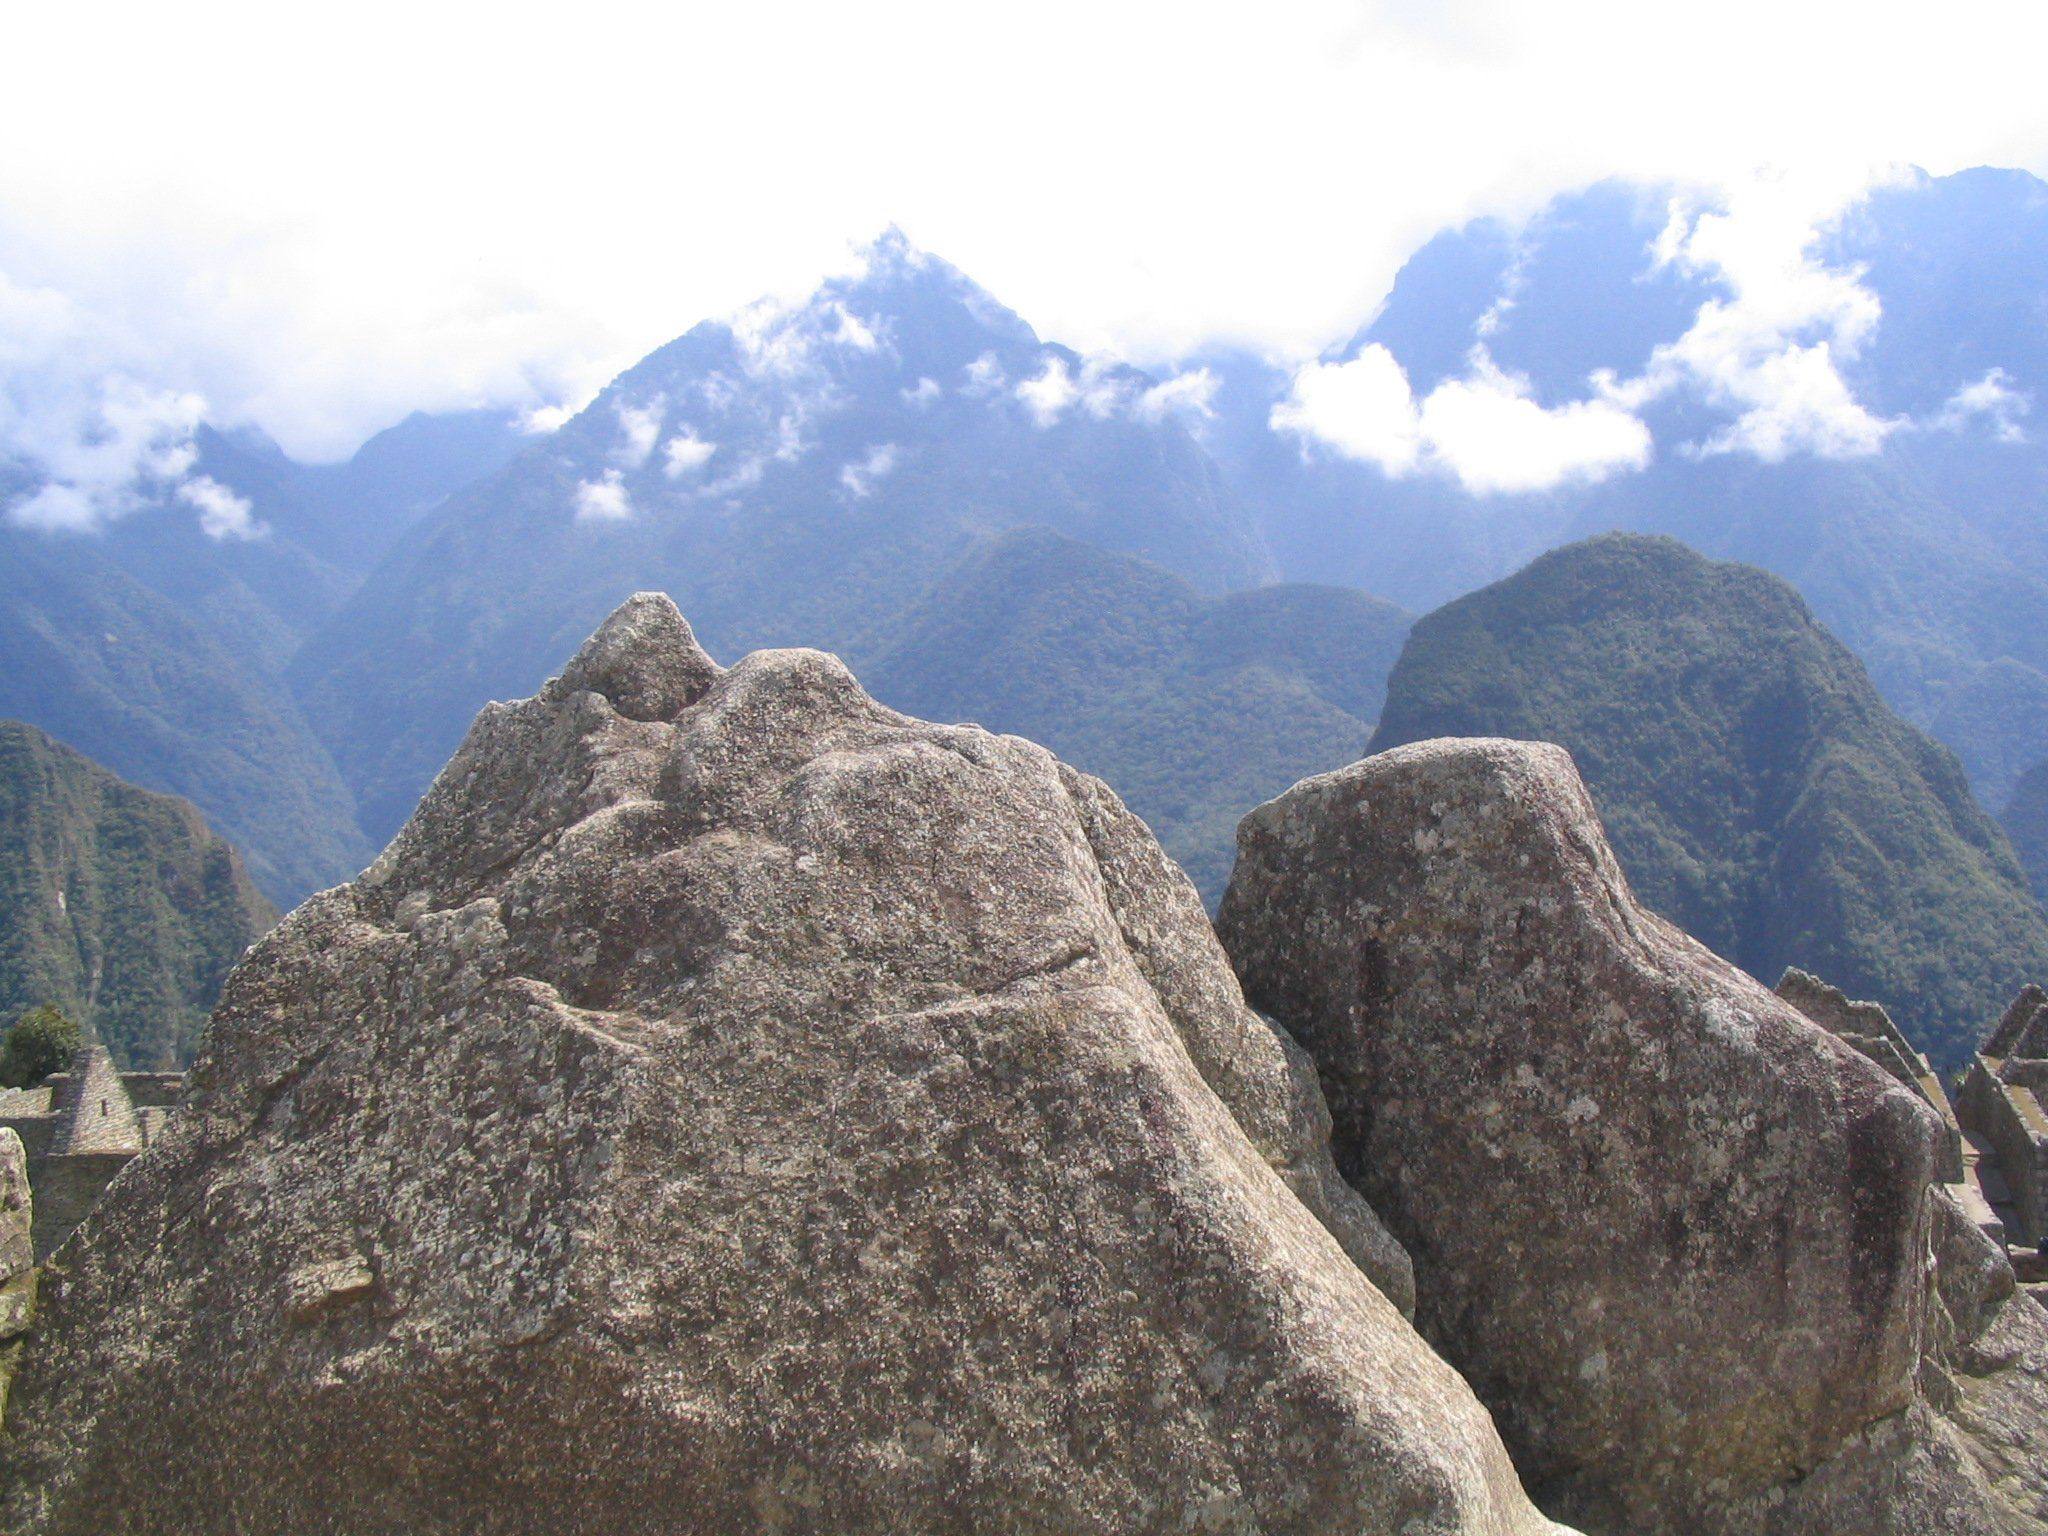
(41,1041)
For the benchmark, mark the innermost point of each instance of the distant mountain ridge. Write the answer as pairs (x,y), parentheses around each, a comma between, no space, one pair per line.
(1195,707)
(800,475)
(137,682)
(1758,791)
(160,650)
(1928,557)
(118,905)
(822,473)
(2025,819)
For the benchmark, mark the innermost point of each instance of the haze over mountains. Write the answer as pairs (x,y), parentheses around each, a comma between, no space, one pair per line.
(990,525)
(798,476)
(158,645)
(1854,414)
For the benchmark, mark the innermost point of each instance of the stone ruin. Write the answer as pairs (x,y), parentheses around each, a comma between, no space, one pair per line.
(2000,1110)
(1868,1027)
(1994,1138)
(80,1127)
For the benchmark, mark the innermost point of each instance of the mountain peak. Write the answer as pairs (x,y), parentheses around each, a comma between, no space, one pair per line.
(1722,667)
(935,311)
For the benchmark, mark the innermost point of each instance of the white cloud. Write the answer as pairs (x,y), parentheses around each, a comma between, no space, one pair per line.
(772,338)
(640,429)
(1484,429)
(858,478)
(97,442)
(1770,351)
(1048,395)
(1991,400)
(745,475)
(717,390)
(259,271)
(789,437)
(1767,353)
(685,454)
(544,419)
(604,500)
(56,509)
(789,341)
(984,376)
(222,513)
(1361,407)
(1794,401)
(1190,394)
(852,331)
(922,393)
(1105,385)
(1488,432)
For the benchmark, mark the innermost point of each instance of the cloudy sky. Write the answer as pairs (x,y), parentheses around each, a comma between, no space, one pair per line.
(316,218)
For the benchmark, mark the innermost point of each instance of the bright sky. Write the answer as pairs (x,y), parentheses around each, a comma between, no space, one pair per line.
(318,217)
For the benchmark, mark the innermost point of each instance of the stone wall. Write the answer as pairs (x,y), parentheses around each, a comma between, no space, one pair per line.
(1990,1108)
(153,1090)
(1869,1028)
(78,1127)
(34,1131)
(2025,1074)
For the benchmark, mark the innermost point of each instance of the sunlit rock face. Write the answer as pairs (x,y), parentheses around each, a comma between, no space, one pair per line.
(730,1106)
(1676,1236)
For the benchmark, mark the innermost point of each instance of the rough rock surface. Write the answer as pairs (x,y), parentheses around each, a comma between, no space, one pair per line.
(730,1106)
(1675,1235)
(17,1257)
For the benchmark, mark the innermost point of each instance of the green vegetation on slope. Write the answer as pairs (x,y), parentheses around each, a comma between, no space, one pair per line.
(1193,708)
(1757,789)
(117,905)
(2025,819)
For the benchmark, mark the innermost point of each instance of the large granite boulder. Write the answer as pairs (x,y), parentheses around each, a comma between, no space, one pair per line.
(1675,1235)
(730,1106)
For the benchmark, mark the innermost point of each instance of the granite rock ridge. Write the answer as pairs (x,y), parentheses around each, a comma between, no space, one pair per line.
(1682,1241)
(730,1101)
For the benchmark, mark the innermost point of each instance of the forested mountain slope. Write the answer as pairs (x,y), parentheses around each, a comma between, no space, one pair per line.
(1195,707)
(117,905)
(1759,792)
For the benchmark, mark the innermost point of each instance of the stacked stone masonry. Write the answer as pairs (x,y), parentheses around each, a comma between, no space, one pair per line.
(2000,1110)
(78,1129)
